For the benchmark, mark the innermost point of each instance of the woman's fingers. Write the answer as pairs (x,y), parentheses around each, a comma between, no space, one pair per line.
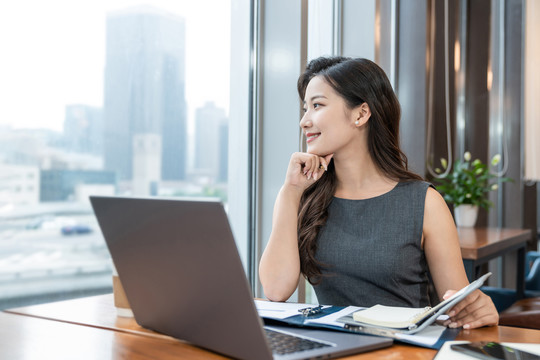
(325,161)
(487,320)
(474,311)
(308,165)
(466,315)
(314,166)
(322,166)
(481,314)
(306,168)
(462,304)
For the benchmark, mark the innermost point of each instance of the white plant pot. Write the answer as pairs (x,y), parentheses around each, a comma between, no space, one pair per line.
(465,215)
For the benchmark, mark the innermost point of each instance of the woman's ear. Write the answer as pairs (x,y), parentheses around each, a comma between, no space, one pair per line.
(362,114)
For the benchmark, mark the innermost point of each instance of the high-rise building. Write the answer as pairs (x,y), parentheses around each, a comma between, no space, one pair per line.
(83,129)
(145,91)
(211,132)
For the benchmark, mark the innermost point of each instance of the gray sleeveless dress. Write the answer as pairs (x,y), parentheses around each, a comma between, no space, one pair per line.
(372,250)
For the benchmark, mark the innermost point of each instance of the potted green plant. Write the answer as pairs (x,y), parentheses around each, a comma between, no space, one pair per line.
(467,187)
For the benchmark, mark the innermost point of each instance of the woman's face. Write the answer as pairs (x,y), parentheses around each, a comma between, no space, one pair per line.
(329,125)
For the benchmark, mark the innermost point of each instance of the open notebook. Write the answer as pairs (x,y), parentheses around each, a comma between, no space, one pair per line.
(407,320)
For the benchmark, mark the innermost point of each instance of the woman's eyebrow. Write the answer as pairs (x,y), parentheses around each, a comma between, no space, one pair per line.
(316,97)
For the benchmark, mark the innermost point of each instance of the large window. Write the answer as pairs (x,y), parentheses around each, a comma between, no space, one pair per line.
(107,98)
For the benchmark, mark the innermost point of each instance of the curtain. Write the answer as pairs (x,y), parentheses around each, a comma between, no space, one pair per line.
(531,77)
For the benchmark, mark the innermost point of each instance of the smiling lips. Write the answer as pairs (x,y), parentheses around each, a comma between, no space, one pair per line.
(312,136)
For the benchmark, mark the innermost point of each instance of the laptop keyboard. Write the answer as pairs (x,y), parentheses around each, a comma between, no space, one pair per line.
(282,344)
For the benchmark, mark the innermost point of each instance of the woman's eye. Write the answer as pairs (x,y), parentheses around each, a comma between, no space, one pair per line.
(305,110)
(316,105)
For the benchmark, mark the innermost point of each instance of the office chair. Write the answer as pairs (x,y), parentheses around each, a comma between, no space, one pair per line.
(532,278)
(504,298)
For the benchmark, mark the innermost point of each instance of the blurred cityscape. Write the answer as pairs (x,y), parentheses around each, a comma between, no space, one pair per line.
(136,145)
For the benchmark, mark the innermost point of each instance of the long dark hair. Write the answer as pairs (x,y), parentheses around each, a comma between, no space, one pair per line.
(357,81)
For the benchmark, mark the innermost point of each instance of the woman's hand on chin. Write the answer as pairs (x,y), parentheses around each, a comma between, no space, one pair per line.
(304,169)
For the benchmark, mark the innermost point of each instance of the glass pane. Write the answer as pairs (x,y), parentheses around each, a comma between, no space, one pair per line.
(320,28)
(102,98)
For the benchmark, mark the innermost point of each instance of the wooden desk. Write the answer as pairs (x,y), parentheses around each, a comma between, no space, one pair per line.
(88,328)
(480,245)
(26,337)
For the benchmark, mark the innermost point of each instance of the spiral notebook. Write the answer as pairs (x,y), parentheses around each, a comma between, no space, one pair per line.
(392,316)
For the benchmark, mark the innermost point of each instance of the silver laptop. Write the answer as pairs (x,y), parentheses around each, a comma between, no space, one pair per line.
(183,277)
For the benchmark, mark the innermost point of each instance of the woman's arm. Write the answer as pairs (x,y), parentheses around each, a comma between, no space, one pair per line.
(441,245)
(279,268)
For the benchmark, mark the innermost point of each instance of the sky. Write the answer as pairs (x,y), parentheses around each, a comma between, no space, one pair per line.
(53,54)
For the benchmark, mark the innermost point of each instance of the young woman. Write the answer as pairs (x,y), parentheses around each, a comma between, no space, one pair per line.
(350,217)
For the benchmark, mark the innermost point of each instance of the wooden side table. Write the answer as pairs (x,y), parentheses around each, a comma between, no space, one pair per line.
(480,245)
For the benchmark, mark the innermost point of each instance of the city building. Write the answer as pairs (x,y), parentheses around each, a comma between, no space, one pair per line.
(223,172)
(19,185)
(145,90)
(211,142)
(61,185)
(83,129)
(27,146)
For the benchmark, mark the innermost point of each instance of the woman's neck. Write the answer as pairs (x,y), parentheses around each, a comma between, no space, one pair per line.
(358,177)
